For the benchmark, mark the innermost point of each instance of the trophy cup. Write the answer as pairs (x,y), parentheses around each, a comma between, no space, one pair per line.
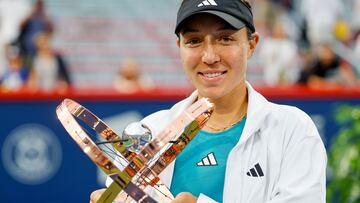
(142,157)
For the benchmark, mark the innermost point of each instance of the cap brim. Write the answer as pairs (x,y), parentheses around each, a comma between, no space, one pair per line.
(234,22)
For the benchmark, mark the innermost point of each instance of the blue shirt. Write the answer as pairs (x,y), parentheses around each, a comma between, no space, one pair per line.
(200,167)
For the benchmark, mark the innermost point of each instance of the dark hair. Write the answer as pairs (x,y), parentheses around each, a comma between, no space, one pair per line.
(249,33)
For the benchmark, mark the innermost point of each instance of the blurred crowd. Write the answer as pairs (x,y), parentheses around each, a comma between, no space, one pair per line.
(311,42)
(28,60)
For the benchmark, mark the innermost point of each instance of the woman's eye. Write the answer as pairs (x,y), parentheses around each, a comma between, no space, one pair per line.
(226,39)
(192,42)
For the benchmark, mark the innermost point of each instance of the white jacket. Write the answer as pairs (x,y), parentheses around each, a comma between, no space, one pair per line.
(282,139)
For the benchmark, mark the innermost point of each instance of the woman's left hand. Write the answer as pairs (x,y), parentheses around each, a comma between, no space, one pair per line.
(184,197)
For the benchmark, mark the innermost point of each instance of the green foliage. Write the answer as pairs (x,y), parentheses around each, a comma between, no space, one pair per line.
(343,159)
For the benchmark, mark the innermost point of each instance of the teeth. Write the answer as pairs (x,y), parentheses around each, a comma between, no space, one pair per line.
(212,75)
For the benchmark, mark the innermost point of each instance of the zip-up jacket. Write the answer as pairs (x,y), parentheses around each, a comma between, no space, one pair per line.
(279,158)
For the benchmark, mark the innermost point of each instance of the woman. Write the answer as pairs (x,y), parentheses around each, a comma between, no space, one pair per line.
(250,150)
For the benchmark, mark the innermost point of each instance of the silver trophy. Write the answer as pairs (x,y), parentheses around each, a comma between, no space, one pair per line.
(137,135)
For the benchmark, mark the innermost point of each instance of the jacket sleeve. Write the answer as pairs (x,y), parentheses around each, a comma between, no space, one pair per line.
(303,167)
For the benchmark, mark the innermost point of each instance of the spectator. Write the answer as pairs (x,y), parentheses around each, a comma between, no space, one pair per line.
(12,13)
(320,17)
(278,56)
(328,70)
(130,79)
(16,75)
(38,21)
(49,71)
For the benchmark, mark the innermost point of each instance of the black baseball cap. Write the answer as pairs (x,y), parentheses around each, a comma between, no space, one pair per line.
(235,12)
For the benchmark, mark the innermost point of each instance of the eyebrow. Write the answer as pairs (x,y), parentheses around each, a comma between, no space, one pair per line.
(187,30)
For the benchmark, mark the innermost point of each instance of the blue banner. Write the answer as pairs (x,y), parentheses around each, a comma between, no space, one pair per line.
(41,163)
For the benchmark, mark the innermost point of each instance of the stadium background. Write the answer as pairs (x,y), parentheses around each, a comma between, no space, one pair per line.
(94,38)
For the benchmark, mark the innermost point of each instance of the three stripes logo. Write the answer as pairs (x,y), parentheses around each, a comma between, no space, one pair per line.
(207,3)
(256,171)
(208,160)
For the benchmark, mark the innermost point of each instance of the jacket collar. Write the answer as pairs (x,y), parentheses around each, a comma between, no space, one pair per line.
(256,111)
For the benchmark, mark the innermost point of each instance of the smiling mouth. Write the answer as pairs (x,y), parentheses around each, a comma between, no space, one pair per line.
(213,75)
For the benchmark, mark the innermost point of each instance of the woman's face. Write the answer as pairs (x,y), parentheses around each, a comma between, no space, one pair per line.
(214,55)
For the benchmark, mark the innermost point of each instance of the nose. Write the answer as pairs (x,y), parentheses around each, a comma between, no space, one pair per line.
(209,54)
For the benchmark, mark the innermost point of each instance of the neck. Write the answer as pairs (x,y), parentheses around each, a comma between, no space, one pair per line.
(229,110)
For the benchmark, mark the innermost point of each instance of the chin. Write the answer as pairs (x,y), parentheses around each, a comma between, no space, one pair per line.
(211,93)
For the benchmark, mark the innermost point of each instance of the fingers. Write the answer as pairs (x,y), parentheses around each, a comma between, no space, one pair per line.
(123,197)
(184,197)
(96,195)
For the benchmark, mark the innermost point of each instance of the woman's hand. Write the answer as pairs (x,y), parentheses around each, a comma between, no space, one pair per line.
(122,197)
(94,197)
(184,197)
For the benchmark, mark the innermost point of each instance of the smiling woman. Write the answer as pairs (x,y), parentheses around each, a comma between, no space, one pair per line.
(259,151)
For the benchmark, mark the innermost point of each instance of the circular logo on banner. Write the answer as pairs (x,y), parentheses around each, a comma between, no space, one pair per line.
(31,154)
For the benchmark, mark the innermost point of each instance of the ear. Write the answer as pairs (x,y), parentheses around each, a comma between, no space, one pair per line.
(255,37)
(178,41)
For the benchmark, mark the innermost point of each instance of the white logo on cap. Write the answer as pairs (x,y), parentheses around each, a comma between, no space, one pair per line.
(207,3)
